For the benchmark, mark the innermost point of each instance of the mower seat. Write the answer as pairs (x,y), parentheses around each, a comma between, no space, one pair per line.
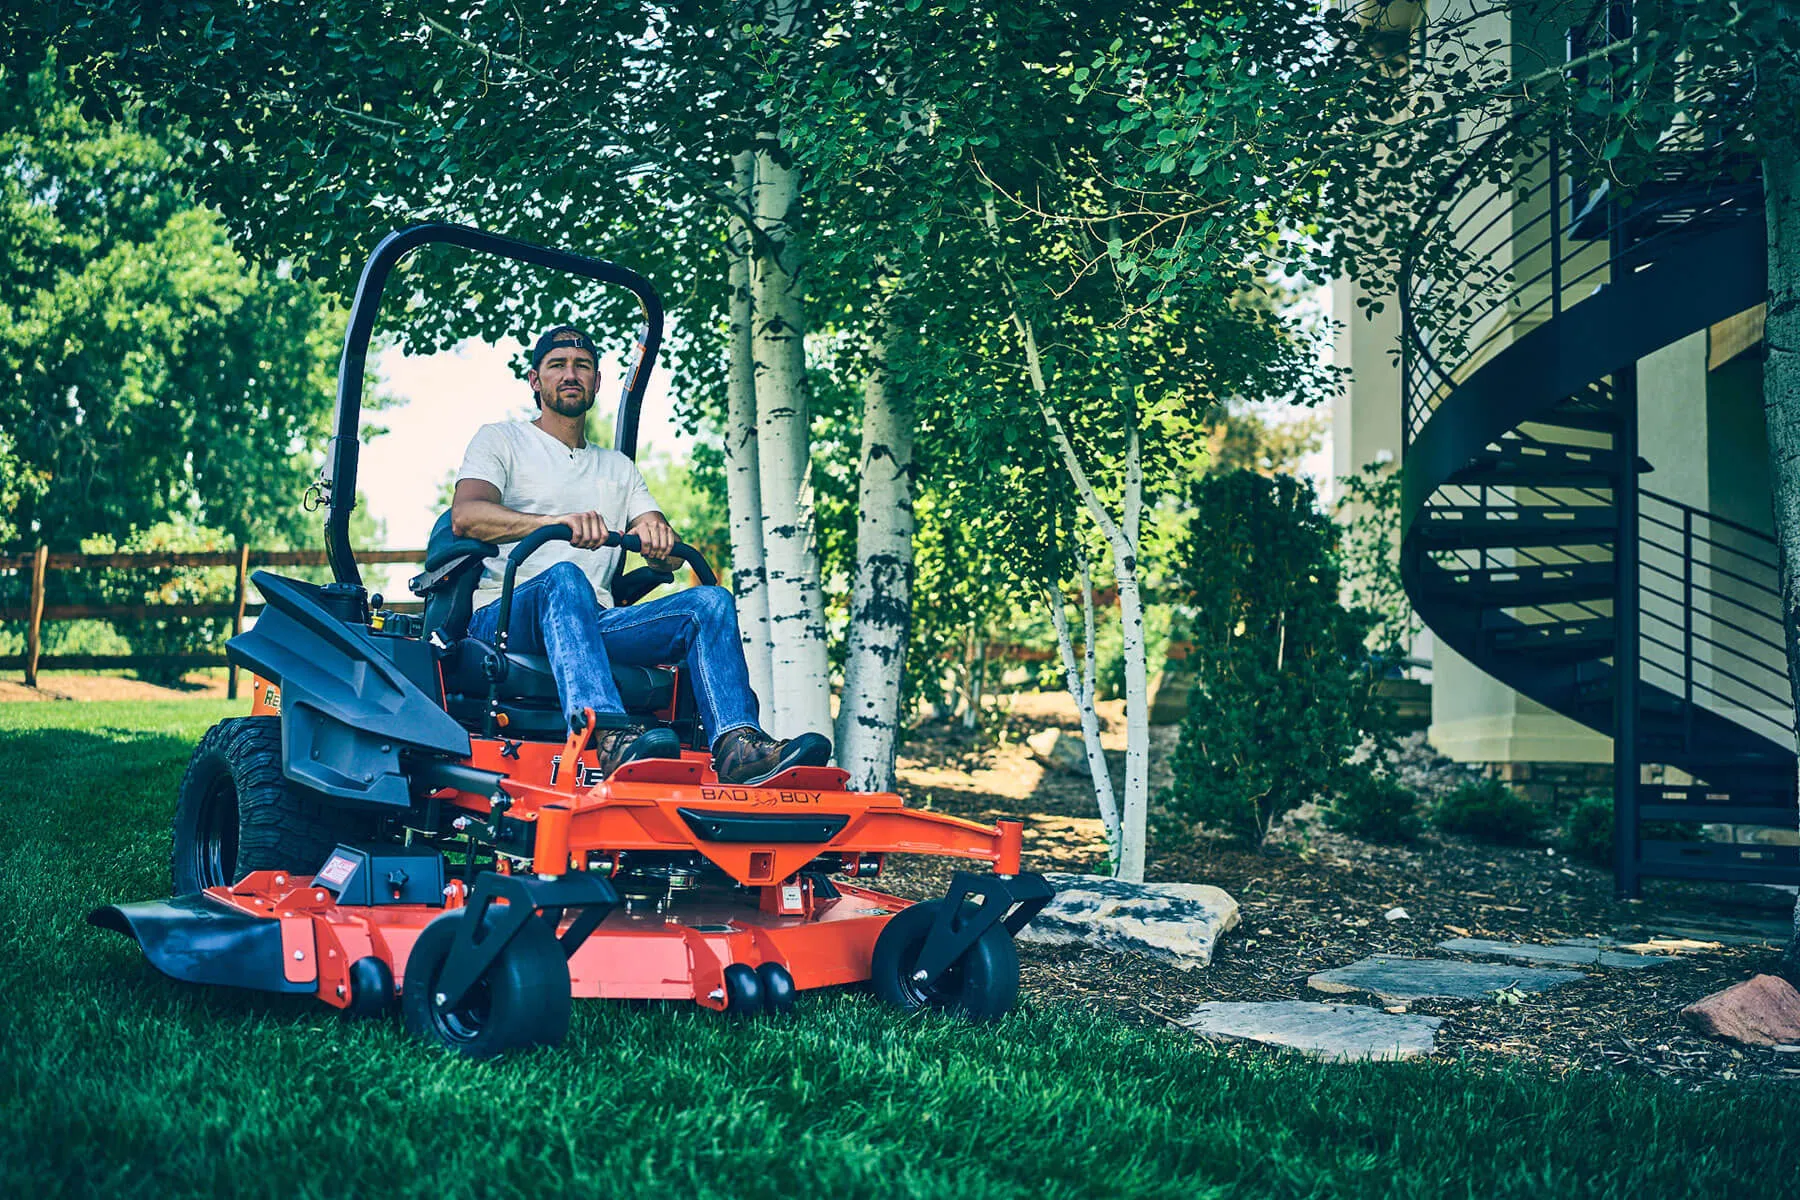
(529,702)
(528,678)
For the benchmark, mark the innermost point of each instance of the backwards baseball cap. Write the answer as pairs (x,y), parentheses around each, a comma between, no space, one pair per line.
(560,336)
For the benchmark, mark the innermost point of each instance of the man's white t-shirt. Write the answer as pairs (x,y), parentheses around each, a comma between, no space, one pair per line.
(538,474)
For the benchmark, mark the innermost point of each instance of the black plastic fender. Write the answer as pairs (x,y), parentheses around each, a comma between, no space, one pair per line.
(347,711)
(196,939)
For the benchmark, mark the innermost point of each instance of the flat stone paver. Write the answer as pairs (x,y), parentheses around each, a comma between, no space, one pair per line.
(1340,1032)
(1176,923)
(1395,978)
(1597,956)
(1730,931)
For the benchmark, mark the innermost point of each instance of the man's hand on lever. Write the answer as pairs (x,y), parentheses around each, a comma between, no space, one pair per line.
(658,540)
(587,528)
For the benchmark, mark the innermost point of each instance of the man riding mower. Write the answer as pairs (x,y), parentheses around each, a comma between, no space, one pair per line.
(419,818)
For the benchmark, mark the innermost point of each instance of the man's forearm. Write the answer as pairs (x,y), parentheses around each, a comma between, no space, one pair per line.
(487,521)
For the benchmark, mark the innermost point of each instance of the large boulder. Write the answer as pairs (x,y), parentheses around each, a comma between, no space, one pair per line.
(1176,923)
(1762,1011)
(1060,749)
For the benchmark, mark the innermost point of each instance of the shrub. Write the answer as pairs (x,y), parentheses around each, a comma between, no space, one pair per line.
(1376,807)
(1489,811)
(1282,693)
(1369,507)
(1589,832)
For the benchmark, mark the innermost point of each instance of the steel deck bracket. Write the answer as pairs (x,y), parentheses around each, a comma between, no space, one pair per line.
(488,927)
(1009,900)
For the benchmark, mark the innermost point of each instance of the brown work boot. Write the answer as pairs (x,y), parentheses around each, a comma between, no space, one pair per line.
(747,757)
(613,748)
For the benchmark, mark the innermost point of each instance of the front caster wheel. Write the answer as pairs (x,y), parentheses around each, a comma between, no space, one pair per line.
(371,988)
(743,991)
(521,1000)
(777,988)
(982,985)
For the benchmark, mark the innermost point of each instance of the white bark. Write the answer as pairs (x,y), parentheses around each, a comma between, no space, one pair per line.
(802,697)
(749,575)
(881,598)
(1781,404)
(974,677)
(1081,689)
(1122,540)
(1137,686)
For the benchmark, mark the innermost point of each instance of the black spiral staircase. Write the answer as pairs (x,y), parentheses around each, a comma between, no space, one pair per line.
(1534,541)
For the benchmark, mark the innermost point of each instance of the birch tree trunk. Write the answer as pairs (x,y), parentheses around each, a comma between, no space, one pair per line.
(1081,688)
(1134,820)
(1781,403)
(1122,540)
(881,598)
(749,575)
(802,684)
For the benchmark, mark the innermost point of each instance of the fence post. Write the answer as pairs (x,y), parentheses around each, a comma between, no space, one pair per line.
(33,631)
(237,620)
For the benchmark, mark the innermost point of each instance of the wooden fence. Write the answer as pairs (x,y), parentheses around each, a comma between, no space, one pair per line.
(36,611)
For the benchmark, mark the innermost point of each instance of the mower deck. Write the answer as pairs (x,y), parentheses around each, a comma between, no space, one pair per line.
(636,952)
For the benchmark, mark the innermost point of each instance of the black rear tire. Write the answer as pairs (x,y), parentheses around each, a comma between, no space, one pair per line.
(521,1000)
(236,812)
(982,985)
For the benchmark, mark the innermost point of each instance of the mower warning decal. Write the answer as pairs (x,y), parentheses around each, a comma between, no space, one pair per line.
(336,871)
(585,776)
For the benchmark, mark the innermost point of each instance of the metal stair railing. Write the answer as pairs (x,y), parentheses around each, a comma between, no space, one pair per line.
(1710,602)
(1695,672)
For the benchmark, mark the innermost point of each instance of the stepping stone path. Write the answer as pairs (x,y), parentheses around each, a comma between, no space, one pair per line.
(1175,923)
(1395,978)
(1352,1032)
(1341,1032)
(1591,955)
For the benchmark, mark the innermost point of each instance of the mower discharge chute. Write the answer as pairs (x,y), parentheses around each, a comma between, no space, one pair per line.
(403,820)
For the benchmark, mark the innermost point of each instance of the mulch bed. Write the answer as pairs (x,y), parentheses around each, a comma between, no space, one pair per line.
(1315,899)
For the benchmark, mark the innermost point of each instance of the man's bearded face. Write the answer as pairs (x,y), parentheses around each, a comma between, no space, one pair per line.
(565,381)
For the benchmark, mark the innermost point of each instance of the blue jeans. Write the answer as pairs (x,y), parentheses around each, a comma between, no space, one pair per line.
(556,614)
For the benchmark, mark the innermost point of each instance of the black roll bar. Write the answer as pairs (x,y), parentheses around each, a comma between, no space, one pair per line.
(339,477)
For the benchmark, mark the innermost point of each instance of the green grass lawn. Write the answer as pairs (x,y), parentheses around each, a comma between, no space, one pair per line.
(116,1081)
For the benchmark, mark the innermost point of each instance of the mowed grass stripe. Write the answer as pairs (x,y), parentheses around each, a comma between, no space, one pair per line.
(116,1081)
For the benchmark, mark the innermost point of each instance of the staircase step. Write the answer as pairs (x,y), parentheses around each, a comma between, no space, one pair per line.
(1718,814)
(1558,640)
(1724,861)
(1600,691)
(1528,462)
(1472,528)
(1770,765)
(1658,712)
(1582,417)
(1503,587)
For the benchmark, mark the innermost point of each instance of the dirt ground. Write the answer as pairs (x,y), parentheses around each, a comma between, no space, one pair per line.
(1316,899)
(1313,900)
(69,685)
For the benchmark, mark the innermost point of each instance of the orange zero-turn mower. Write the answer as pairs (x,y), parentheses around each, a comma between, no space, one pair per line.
(404,819)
